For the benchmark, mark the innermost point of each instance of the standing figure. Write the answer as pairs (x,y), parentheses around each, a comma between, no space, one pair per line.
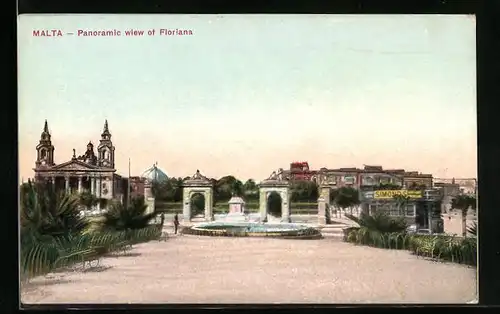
(162,217)
(176,223)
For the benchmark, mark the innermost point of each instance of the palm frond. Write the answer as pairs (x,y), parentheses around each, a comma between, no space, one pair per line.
(121,217)
(472,229)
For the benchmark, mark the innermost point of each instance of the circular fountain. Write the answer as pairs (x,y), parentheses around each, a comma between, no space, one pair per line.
(253,229)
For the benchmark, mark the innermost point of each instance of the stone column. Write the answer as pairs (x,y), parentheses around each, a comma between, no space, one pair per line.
(324,195)
(321,210)
(98,191)
(92,186)
(66,183)
(285,212)
(148,197)
(80,184)
(263,205)
(209,215)
(186,207)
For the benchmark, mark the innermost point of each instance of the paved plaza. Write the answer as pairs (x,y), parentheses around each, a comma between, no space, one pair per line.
(189,269)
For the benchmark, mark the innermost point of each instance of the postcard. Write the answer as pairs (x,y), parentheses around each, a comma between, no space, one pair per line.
(247,159)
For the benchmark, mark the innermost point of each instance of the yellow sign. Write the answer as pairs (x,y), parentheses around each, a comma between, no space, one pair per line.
(392,193)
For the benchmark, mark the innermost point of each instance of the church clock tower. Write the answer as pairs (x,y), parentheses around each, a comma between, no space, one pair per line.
(45,149)
(106,150)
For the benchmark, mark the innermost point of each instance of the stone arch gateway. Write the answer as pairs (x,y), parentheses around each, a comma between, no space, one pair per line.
(274,184)
(194,185)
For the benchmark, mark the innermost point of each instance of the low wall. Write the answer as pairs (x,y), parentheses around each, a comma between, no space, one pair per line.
(299,218)
(452,223)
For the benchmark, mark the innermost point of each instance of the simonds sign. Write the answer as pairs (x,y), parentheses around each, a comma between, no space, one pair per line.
(392,193)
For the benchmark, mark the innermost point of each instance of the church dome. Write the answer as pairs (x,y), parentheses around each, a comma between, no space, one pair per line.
(155,174)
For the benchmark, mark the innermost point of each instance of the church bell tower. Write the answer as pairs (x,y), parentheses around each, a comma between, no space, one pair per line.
(45,149)
(106,150)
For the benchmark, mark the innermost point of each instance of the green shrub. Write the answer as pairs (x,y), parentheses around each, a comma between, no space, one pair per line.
(442,247)
(54,235)
(125,217)
(380,222)
(449,248)
(42,254)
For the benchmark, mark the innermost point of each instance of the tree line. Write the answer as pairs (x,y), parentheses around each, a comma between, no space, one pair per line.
(228,186)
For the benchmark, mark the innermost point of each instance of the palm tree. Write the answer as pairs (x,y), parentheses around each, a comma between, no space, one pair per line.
(49,221)
(379,222)
(120,217)
(43,211)
(463,203)
(88,200)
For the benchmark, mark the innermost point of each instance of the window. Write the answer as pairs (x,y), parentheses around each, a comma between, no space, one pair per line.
(384,208)
(394,210)
(410,210)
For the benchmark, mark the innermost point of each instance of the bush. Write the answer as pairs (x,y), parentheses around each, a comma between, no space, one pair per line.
(442,247)
(53,234)
(450,248)
(375,238)
(380,222)
(42,254)
(122,217)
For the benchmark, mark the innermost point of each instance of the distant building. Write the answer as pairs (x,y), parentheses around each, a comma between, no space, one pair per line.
(422,209)
(90,172)
(299,171)
(416,179)
(136,186)
(466,186)
(154,174)
(451,188)
(368,177)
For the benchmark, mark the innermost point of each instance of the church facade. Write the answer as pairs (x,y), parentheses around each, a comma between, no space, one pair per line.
(92,172)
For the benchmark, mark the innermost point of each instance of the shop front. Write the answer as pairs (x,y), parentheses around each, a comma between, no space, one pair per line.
(421,209)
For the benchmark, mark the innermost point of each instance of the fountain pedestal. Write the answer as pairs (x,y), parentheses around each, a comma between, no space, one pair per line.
(236,210)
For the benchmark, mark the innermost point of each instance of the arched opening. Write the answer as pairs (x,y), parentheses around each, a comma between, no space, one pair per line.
(197,205)
(333,194)
(332,210)
(274,204)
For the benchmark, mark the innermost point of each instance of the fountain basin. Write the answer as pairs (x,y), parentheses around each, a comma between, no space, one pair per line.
(252,229)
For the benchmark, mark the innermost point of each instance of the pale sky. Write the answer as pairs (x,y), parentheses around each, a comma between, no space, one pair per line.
(247,94)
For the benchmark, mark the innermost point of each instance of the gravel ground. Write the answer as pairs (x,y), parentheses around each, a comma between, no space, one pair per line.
(188,269)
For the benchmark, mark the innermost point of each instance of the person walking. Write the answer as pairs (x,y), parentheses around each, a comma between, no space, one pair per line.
(162,217)
(176,223)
